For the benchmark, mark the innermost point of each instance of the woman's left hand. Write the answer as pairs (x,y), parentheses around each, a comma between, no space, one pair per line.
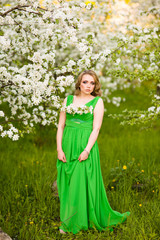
(83,156)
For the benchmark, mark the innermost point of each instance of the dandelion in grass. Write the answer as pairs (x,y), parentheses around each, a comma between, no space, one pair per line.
(26,185)
(153,191)
(124,167)
(142,170)
(140,204)
(113,180)
(31,223)
(112,187)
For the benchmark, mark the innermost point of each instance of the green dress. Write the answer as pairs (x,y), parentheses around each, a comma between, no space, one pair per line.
(83,200)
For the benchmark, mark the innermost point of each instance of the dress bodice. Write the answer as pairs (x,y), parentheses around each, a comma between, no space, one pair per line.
(80,120)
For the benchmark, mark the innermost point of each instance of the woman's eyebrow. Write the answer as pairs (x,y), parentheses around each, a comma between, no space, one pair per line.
(87,80)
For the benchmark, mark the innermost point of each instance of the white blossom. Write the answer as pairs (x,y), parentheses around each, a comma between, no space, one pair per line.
(156,96)
(151,109)
(72,109)
(15,137)
(107,51)
(82,5)
(1,114)
(118,61)
(158,110)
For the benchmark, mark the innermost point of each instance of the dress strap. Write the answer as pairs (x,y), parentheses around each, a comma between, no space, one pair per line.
(95,101)
(69,99)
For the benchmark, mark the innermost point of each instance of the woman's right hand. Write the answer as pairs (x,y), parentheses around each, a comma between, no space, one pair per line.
(61,156)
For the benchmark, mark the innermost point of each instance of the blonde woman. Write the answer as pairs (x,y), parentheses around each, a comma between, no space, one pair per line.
(83,201)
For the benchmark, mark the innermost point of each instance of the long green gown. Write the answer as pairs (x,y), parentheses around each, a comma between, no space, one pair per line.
(83,200)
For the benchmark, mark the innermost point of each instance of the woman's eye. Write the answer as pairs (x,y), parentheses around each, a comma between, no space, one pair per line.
(91,82)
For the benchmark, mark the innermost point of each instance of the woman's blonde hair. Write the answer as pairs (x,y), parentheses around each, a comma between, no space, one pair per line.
(97,88)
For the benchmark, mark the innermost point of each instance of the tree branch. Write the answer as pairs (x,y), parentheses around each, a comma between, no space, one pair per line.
(19,7)
(12,9)
(30,12)
(9,84)
(7,24)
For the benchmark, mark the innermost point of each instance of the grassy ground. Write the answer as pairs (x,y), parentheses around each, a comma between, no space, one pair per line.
(130,167)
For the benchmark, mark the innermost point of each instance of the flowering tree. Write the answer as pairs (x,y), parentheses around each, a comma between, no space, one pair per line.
(138,62)
(43,49)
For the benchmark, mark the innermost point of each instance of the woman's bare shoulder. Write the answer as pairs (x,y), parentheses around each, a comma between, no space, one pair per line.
(100,100)
(99,104)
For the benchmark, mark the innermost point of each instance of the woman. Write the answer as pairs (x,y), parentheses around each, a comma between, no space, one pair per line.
(83,201)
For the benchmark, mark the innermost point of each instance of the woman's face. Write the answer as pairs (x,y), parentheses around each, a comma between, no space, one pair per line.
(87,84)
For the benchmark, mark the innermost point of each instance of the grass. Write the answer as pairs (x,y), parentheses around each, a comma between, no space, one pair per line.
(30,211)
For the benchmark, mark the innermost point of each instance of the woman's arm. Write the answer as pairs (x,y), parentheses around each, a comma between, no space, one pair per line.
(61,125)
(97,122)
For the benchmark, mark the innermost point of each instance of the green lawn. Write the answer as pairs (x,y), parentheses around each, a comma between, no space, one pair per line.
(28,207)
